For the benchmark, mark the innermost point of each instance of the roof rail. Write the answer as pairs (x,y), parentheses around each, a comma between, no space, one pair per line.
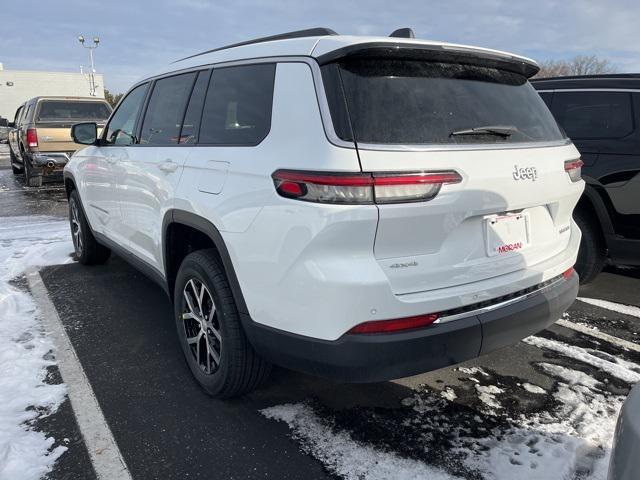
(309,32)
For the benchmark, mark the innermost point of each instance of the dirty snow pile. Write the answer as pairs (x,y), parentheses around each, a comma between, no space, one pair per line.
(489,427)
(25,350)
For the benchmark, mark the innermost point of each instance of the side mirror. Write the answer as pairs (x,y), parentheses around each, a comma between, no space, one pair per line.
(85,133)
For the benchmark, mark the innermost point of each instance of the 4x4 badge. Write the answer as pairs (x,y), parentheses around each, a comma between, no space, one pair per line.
(525,173)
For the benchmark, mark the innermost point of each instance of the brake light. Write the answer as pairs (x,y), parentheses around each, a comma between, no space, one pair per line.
(574,169)
(387,326)
(361,188)
(567,274)
(32,138)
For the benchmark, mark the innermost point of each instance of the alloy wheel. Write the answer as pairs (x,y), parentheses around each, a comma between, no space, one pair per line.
(201,326)
(76,229)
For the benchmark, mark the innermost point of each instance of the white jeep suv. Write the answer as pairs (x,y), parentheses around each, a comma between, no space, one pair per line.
(360,208)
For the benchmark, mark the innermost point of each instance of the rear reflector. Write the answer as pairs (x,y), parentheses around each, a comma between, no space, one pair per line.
(387,326)
(567,274)
(574,169)
(361,188)
(32,138)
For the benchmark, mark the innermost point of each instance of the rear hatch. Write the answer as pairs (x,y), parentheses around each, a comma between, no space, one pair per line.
(54,119)
(512,208)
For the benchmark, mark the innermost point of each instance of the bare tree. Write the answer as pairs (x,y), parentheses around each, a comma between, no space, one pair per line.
(580,65)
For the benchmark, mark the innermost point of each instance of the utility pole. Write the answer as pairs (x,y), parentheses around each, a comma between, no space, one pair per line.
(91,48)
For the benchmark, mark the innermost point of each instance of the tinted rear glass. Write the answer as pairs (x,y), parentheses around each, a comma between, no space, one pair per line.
(57,110)
(419,102)
(586,115)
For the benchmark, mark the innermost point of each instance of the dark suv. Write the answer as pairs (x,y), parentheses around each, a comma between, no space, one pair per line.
(601,114)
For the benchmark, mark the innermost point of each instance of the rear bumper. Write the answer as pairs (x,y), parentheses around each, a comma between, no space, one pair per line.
(381,357)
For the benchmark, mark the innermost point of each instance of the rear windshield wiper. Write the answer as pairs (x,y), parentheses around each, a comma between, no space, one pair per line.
(498,130)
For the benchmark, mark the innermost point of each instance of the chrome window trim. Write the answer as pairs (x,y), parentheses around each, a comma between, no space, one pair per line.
(495,306)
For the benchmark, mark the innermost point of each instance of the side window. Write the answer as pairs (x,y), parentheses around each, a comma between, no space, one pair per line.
(586,115)
(163,119)
(120,130)
(25,118)
(237,110)
(16,119)
(191,124)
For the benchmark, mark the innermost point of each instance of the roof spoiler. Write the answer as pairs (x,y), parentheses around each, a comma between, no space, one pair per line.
(433,53)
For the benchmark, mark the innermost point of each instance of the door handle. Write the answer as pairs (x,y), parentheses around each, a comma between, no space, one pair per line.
(168,166)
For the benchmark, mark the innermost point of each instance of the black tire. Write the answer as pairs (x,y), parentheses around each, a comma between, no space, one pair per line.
(239,369)
(14,160)
(87,249)
(33,179)
(592,254)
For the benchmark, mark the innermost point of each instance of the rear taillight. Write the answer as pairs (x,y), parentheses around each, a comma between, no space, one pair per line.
(574,169)
(567,273)
(32,138)
(361,188)
(387,326)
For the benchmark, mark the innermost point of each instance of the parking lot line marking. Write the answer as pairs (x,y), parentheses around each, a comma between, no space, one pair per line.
(631,310)
(599,335)
(105,455)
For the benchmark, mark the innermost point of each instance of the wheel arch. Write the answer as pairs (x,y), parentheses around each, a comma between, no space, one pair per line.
(176,223)
(69,183)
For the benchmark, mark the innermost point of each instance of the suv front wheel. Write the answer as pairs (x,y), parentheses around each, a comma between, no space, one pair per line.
(212,338)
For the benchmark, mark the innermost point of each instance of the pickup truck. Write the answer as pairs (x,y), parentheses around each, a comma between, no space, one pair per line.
(40,140)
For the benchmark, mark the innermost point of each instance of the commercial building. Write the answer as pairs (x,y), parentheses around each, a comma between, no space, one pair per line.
(16,86)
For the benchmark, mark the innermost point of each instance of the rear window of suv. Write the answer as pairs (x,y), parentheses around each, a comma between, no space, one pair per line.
(60,110)
(409,102)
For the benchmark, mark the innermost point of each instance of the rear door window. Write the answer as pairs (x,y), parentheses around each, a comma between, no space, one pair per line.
(237,110)
(65,110)
(120,130)
(592,114)
(163,119)
(400,102)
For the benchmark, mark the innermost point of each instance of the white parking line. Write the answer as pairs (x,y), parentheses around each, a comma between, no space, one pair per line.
(104,452)
(634,347)
(631,310)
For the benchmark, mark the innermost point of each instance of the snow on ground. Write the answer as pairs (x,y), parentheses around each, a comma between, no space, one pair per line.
(618,367)
(490,427)
(25,350)
(534,388)
(343,455)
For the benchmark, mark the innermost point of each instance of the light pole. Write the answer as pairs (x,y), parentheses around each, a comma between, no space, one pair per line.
(92,79)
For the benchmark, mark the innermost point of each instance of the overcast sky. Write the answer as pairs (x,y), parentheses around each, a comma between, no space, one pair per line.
(140,35)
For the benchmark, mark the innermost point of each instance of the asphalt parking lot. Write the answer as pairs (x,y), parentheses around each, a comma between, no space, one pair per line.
(543,408)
